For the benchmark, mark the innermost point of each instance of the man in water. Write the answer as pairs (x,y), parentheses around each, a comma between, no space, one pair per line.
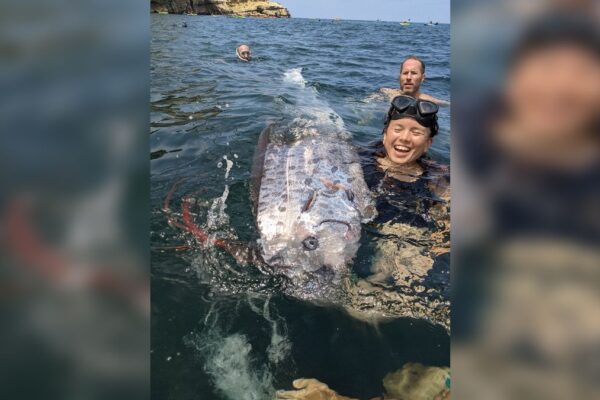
(412,75)
(243,52)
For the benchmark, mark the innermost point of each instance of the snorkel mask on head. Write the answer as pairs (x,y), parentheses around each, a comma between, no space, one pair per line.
(422,111)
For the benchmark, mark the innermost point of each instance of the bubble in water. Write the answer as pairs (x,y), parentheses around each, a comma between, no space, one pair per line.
(230,364)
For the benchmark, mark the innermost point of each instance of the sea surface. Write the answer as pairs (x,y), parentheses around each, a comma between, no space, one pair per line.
(220,331)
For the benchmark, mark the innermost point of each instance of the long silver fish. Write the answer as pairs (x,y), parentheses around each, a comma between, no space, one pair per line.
(310,198)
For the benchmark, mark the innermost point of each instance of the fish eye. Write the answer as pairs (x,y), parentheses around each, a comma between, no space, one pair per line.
(310,243)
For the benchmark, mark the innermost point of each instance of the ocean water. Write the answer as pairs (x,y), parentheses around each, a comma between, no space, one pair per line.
(224,331)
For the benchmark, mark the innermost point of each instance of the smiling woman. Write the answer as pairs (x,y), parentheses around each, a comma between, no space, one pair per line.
(408,133)
(405,141)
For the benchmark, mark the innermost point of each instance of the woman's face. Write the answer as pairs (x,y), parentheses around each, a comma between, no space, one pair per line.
(554,93)
(405,141)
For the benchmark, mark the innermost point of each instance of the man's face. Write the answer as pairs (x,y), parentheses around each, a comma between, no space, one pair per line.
(555,92)
(411,77)
(405,141)
(244,52)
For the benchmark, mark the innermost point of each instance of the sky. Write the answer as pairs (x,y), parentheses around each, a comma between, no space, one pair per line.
(371,10)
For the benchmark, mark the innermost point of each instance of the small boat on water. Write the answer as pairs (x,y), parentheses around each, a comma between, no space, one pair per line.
(163,12)
(404,23)
(191,14)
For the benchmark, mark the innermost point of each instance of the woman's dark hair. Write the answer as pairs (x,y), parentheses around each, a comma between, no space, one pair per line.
(558,28)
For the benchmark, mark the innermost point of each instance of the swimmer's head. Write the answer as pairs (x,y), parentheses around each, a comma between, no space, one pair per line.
(552,87)
(243,52)
(409,129)
(412,75)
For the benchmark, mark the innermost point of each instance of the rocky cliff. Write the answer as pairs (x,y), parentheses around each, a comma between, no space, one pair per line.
(246,8)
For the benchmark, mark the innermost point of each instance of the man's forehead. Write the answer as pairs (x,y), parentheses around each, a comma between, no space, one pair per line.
(411,65)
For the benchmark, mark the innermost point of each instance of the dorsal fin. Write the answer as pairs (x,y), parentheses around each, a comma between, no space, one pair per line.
(258,166)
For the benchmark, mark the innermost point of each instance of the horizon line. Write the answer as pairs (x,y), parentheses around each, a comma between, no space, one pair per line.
(369,20)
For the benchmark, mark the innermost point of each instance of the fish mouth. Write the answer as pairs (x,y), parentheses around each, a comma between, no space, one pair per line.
(276,261)
(335,221)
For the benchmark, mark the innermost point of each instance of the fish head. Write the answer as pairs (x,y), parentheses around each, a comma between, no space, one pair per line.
(321,241)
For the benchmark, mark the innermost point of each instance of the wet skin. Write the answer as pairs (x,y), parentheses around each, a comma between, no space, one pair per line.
(405,141)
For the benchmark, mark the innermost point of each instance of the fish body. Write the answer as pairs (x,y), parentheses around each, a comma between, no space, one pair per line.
(310,202)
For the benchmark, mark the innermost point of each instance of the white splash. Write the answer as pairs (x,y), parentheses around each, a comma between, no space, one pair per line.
(230,364)
(230,359)
(280,347)
(216,214)
(295,77)
(228,165)
(309,106)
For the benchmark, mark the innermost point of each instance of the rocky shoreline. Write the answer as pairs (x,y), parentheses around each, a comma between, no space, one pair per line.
(239,8)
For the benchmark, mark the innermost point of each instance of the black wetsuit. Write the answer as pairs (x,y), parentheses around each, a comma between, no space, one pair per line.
(412,204)
(398,201)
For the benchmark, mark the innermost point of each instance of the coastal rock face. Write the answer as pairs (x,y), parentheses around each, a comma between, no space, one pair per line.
(245,8)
